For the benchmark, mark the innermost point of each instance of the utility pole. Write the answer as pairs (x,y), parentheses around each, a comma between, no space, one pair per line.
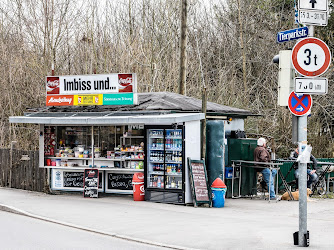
(302,182)
(183,46)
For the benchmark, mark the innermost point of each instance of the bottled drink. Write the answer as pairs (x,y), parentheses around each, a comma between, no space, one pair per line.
(168,182)
(159,182)
(173,184)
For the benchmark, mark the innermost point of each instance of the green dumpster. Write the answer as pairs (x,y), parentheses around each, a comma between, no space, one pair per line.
(242,149)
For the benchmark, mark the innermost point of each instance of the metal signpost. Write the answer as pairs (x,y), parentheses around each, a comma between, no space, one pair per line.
(311,57)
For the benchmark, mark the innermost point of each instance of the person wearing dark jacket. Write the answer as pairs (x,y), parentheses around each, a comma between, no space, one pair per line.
(261,154)
(312,173)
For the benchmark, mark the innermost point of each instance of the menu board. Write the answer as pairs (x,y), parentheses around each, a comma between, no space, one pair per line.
(91,182)
(71,180)
(119,181)
(198,178)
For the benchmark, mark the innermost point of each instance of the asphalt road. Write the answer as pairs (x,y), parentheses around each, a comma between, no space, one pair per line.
(21,232)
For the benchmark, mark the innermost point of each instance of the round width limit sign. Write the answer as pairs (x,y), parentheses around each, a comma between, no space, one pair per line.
(311,57)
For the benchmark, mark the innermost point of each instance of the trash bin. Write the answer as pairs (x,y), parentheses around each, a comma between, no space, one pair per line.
(138,187)
(218,189)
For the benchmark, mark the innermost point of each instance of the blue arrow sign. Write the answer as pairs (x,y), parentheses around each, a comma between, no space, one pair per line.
(289,35)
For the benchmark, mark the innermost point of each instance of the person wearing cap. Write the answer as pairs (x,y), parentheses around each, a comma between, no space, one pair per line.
(311,173)
(261,154)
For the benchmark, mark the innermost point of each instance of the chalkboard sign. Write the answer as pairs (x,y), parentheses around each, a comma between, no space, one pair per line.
(119,181)
(75,179)
(91,183)
(199,182)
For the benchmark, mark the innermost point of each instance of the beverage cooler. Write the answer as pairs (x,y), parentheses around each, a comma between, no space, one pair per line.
(165,164)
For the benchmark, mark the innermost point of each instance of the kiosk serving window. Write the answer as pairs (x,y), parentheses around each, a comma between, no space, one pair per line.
(112,147)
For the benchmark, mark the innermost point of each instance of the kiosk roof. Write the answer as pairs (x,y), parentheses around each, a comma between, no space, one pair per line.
(152,102)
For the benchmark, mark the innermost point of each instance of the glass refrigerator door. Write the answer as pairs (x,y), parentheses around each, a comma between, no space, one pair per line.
(173,161)
(155,158)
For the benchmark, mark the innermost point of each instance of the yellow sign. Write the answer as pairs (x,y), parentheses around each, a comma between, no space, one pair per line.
(85,100)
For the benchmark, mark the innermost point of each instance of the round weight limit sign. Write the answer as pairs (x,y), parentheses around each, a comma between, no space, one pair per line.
(311,57)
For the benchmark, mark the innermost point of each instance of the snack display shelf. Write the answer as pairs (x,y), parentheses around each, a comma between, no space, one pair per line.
(89,159)
(125,170)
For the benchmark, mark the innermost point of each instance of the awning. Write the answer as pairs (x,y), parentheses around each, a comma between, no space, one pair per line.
(163,119)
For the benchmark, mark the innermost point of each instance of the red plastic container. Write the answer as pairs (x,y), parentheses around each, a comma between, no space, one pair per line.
(138,187)
(218,183)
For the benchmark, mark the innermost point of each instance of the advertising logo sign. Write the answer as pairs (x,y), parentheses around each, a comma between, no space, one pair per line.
(52,85)
(89,89)
(59,100)
(83,100)
(92,84)
(118,99)
(125,82)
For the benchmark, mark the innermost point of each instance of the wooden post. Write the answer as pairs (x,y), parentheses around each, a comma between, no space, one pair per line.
(183,45)
(204,104)
(12,146)
(244,74)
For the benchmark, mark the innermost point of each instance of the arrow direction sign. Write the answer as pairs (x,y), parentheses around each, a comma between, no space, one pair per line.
(304,85)
(319,5)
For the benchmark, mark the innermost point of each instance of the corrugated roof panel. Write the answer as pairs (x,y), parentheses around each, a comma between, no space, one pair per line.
(154,101)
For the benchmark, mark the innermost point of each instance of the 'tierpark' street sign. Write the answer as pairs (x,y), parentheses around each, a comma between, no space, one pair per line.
(311,57)
(311,17)
(320,5)
(304,85)
(289,35)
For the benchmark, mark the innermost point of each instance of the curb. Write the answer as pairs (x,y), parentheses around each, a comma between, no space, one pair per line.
(14,210)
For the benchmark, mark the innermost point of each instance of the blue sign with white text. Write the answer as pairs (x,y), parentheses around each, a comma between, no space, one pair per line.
(289,35)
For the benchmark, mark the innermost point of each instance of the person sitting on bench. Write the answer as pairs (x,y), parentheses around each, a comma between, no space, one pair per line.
(261,154)
(312,173)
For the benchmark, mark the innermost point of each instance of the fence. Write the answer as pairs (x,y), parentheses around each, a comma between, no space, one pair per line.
(22,173)
(291,176)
